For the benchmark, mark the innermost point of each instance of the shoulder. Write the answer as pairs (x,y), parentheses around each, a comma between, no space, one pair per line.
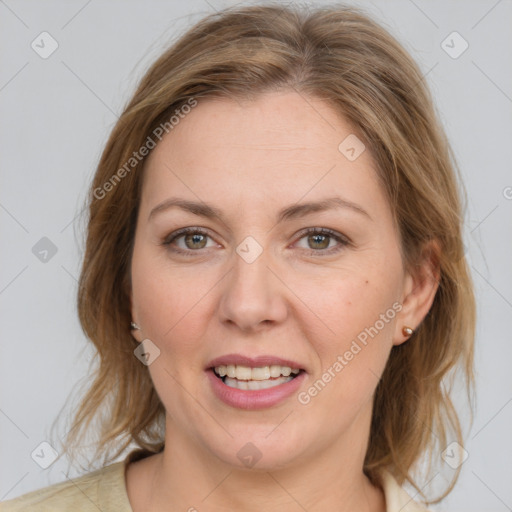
(103,490)
(397,499)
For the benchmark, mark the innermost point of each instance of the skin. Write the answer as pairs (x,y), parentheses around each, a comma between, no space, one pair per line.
(250,159)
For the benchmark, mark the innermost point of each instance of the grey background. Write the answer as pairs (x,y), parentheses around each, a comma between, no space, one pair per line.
(55,116)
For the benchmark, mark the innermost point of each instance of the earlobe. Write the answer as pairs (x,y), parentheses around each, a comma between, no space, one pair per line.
(134,328)
(133,325)
(420,288)
(407,331)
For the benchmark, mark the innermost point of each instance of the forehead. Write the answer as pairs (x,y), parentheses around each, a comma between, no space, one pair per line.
(277,148)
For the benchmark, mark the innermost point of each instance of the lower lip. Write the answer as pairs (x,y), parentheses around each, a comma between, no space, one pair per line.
(254,399)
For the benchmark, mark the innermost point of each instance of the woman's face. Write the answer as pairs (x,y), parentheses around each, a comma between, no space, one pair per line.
(253,284)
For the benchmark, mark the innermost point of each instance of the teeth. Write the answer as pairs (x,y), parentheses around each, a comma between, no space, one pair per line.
(255,384)
(260,373)
(246,373)
(243,372)
(275,371)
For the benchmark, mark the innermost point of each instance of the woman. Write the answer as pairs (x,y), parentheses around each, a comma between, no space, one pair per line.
(274,276)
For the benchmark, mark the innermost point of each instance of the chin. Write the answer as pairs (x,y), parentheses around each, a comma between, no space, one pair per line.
(254,449)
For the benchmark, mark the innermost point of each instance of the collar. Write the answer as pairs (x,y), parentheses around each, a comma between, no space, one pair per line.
(397,499)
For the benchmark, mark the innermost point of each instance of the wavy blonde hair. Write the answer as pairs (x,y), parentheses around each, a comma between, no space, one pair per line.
(340,55)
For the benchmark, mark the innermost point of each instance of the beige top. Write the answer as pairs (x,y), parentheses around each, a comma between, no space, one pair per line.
(105,490)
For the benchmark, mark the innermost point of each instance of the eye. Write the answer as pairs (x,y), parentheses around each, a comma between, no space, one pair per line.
(188,241)
(319,241)
(192,238)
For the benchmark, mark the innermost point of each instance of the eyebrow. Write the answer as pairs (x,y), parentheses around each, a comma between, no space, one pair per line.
(290,212)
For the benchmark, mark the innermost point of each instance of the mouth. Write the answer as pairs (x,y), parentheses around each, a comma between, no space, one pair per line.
(252,383)
(255,378)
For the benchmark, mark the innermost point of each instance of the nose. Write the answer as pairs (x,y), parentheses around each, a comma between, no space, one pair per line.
(253,297)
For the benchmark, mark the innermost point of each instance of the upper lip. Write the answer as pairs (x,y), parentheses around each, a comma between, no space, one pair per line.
(253,362)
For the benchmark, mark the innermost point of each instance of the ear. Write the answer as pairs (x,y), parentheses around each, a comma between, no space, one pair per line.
(420,287)
(136,333)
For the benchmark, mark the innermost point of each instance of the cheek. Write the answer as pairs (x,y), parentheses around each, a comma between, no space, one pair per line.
(352,332)
(350,304)
(169,301)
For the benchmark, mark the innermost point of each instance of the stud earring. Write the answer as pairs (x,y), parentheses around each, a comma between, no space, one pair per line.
(407,331)
(134,326)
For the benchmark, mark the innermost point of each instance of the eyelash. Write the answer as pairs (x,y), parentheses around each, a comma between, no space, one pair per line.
(341,239)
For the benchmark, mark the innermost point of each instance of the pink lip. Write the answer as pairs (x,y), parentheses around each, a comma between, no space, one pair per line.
(254,399)
(253,362)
